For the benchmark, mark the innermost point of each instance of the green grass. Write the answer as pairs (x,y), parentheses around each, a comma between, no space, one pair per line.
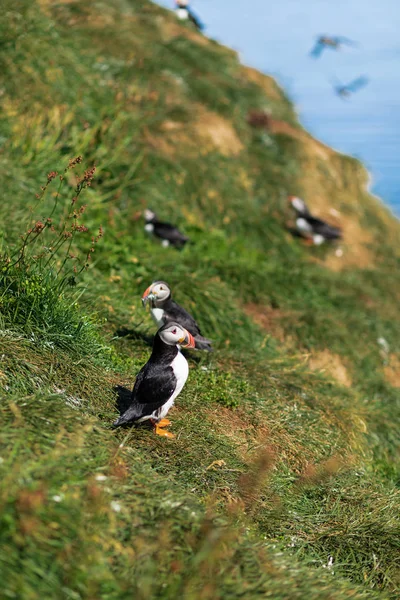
(281,482)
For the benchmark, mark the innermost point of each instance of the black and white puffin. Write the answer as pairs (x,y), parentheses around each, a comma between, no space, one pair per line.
(184,12)
(310,227)
(344,91)
(164,310)
(169,234)
(161,379)
(334,43)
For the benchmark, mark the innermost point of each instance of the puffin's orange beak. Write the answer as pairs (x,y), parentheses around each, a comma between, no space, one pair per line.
(188,341)
(146,296)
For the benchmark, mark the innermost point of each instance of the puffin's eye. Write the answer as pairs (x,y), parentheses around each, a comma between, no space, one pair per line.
(174,332)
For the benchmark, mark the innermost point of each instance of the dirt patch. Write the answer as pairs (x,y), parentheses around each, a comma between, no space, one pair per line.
(266,83)
(217,131)
(354,250)
(170,30)
(313,146)
(392,370)
(269,319)
(332,364)
(233,425)
(207,133)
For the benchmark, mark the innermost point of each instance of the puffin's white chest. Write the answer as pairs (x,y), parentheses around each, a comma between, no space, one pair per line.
(180,368)
(303,225)
(157,314)
(182,13)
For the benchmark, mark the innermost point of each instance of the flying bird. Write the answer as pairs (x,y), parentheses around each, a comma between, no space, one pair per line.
(334,43)
(345,91)
(311,228)
(160,381)
(185,13)
(164,310)
(169,234)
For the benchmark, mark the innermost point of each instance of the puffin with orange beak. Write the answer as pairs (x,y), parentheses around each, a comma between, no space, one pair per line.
(161,380)
(164,310)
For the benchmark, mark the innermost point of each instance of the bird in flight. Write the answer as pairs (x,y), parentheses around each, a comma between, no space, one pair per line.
(345,91)
(334,43)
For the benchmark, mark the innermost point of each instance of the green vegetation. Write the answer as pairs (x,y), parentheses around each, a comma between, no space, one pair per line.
(283,479)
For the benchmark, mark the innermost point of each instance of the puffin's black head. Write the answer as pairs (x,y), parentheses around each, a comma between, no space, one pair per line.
(159,291)
(174,334)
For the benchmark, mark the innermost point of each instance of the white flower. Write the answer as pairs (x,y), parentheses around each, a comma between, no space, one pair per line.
(116,506)
(171,504)
(58,497)
(101,477)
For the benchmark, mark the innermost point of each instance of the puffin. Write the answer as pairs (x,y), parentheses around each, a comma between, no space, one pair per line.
(169,234)
(160,380)
(345,91)
(311,228)
(164,310)
(184,13)
(334,43)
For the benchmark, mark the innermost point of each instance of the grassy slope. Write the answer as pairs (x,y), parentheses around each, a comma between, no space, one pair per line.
(306,468)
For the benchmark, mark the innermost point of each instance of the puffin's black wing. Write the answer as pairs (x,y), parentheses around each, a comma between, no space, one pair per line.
(169,232)
(175,312)
(317,50)
(195,20)
(329,232)
(357,84)
(153,387)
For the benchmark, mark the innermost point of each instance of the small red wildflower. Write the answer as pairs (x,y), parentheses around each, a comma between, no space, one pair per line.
(39,226)
(52,175)
(74,161)
(89,174)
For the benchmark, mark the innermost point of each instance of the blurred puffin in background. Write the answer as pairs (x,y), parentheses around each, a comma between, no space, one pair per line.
(168,233)
(334,43)
(185,13)
(311,228)
(345,91)
(164,310)
(160,381)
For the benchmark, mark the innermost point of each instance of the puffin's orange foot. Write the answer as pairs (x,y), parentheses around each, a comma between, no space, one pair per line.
(160,431)
(164,423)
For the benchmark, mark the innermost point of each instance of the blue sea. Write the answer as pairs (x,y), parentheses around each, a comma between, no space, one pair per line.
(276,38)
